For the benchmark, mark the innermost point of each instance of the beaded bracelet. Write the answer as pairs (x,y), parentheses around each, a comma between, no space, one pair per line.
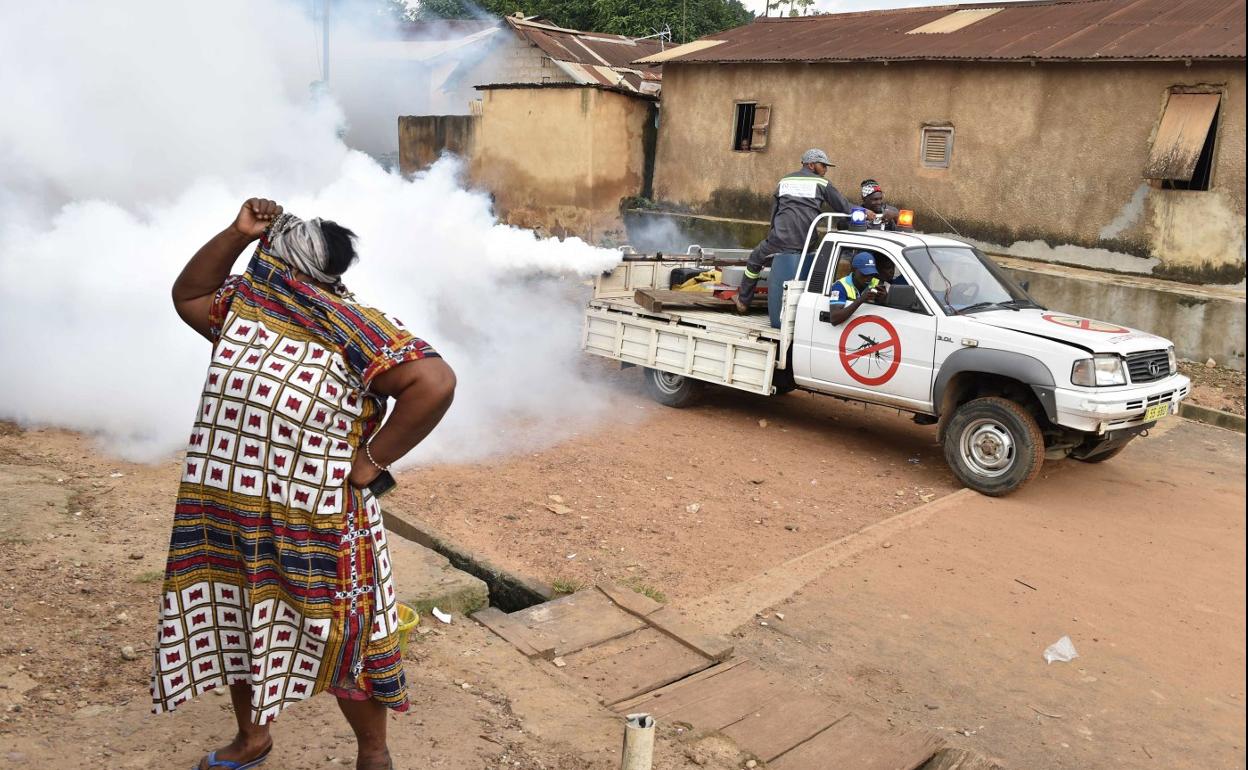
(369,455)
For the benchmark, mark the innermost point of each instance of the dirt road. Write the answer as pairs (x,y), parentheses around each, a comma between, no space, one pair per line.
(679,502)
(1140,561)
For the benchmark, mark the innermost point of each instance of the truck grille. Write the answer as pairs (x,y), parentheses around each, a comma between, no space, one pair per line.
(1148,366)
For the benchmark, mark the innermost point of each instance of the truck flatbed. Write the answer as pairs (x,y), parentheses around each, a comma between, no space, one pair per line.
(756,324)
(738,351)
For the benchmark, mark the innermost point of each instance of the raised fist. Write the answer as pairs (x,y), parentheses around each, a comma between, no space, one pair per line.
(255,215)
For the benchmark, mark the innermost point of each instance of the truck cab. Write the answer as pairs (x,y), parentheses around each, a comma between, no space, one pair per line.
(958,341)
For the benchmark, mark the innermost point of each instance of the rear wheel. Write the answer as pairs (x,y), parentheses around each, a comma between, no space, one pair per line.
(672,390)
(783,381)
(993,445)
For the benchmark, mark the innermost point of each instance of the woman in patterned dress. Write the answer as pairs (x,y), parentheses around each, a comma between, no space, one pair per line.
(278,583)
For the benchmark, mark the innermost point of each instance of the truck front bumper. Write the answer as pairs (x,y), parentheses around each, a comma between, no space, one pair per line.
(1102,412)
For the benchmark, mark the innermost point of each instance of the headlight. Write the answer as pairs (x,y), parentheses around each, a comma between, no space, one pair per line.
(1174,364)
(1100,370)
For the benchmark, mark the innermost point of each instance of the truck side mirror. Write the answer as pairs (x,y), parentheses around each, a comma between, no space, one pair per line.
(902,296)
(1025,285)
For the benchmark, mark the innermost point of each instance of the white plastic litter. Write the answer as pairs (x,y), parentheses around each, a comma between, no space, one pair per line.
(1062,650)
(445,617)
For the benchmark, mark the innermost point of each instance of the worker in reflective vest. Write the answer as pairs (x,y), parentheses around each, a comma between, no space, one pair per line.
(861,285)
(799,198)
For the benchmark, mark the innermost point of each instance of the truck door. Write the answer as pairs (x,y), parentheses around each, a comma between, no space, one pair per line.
(880,354)
(809,306)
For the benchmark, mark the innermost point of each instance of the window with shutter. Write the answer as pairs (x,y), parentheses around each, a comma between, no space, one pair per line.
(762,121)
(936,147)
(750,130)
(1183,147)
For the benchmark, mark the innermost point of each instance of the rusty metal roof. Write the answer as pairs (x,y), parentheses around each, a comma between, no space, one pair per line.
(556,86)
(593,57)
(1058,30)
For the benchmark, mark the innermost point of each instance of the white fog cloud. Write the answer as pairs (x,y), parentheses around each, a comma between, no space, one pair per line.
(131,133)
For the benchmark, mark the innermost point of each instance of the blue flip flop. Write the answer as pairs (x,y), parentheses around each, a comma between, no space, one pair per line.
(225,764)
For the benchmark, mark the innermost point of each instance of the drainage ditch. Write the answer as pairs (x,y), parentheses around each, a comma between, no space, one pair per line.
(509,592)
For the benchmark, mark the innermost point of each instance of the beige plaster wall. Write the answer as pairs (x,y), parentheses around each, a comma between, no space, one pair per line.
(561,158)
(1051,152)
(423,139)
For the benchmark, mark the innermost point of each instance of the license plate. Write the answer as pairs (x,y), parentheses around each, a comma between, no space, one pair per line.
(1157,412)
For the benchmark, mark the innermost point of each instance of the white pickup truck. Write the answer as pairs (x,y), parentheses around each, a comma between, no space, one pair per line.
(956,342)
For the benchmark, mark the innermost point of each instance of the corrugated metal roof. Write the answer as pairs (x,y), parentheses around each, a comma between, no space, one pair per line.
(1059,30)
(592,57)
(555,86)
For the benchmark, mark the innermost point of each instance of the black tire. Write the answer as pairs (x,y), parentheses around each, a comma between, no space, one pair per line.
(993,445)
(674,390)
(783,382)
(1104,456)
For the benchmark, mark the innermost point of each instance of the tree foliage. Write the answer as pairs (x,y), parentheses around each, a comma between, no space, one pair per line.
(687,19)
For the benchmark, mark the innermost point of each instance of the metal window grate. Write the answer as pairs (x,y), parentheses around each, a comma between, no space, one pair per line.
(936,147)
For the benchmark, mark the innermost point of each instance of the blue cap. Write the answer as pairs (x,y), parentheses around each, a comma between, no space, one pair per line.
(864,262)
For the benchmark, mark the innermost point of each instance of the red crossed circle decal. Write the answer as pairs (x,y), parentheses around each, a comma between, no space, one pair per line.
(1083,324)
(869,345)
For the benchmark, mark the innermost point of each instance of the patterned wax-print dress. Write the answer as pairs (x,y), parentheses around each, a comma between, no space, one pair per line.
(278,572)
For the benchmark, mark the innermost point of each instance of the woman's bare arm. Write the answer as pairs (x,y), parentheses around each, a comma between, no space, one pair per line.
(196,286)
(422,391)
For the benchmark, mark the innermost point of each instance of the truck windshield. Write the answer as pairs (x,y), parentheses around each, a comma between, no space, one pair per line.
(964,280)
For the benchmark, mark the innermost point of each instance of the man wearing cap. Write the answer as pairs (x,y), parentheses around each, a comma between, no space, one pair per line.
(859,286)
(873,201)
(799,198)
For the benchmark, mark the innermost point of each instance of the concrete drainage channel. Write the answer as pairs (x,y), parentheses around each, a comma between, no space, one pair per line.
(507,591)
(644,660)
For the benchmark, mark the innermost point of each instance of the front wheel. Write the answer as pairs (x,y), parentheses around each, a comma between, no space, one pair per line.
(993,445)
(672,390)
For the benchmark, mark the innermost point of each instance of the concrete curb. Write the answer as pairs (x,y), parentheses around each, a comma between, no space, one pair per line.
(508,591)
(1215,417)
(730,607)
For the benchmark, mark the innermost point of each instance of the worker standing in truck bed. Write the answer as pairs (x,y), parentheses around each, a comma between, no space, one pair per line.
(799,198)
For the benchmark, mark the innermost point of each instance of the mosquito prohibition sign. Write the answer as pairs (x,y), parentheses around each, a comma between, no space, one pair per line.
(870,350)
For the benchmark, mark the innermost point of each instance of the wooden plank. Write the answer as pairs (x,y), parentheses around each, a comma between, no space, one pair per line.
(629,600)
(672,623)
(716,702)
(500,623)
(1181,136)
(646,701)
(959,759)
(782,723)
(851,742)
(575,622)
(626,667)
(661,300)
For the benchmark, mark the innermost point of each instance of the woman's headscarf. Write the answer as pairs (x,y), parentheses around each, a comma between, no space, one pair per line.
(301,245)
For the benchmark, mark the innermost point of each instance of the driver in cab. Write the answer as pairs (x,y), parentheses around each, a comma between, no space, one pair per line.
(861,285)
